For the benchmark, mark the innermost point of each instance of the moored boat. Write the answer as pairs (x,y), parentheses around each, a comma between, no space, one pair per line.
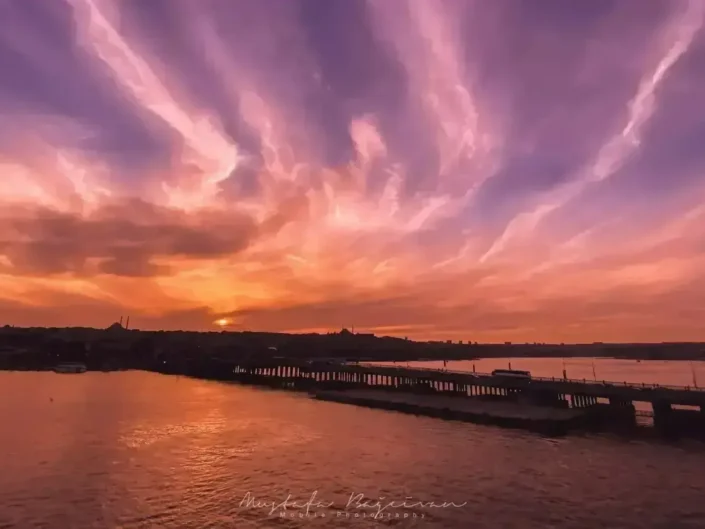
(72,367)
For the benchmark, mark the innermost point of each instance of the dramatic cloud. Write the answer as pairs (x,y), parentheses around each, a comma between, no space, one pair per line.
(506,170)
(121,239)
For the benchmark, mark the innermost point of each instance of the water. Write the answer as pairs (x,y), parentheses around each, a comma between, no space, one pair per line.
(142,450)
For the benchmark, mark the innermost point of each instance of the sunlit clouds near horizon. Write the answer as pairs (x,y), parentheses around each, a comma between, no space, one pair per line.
(505,170)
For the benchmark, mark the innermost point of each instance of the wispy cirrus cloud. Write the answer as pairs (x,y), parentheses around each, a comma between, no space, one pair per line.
(465,170)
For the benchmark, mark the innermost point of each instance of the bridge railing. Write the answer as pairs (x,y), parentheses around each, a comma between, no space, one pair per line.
(634,385)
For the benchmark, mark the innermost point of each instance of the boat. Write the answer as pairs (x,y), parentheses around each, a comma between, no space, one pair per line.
(70,367)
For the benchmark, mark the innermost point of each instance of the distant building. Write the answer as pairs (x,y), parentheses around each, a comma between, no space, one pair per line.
(115,327)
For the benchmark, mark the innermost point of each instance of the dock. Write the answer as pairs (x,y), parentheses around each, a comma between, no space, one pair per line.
(541,419)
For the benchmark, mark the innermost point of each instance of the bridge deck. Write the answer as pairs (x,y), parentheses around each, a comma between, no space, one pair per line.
(647,393)
(674,395)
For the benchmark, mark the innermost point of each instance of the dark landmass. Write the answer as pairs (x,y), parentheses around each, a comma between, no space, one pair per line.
(120,348)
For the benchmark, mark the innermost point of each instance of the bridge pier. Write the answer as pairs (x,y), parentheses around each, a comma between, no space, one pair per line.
(543,398)
(673,422)
(582,401)
(663,417)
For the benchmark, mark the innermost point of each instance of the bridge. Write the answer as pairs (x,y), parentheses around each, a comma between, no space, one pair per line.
(674,407)
(675,395)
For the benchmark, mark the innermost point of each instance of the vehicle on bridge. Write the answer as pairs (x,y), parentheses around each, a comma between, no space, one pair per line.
(513,373)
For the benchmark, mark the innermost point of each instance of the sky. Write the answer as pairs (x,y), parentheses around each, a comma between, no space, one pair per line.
(505,170)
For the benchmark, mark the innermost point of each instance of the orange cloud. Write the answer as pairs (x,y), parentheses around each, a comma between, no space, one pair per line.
(214,179)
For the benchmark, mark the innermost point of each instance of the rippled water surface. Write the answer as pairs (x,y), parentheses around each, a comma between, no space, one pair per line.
(141,450)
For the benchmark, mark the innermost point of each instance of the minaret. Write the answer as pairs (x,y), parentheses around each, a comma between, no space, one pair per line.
(120,321)
(127,325)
